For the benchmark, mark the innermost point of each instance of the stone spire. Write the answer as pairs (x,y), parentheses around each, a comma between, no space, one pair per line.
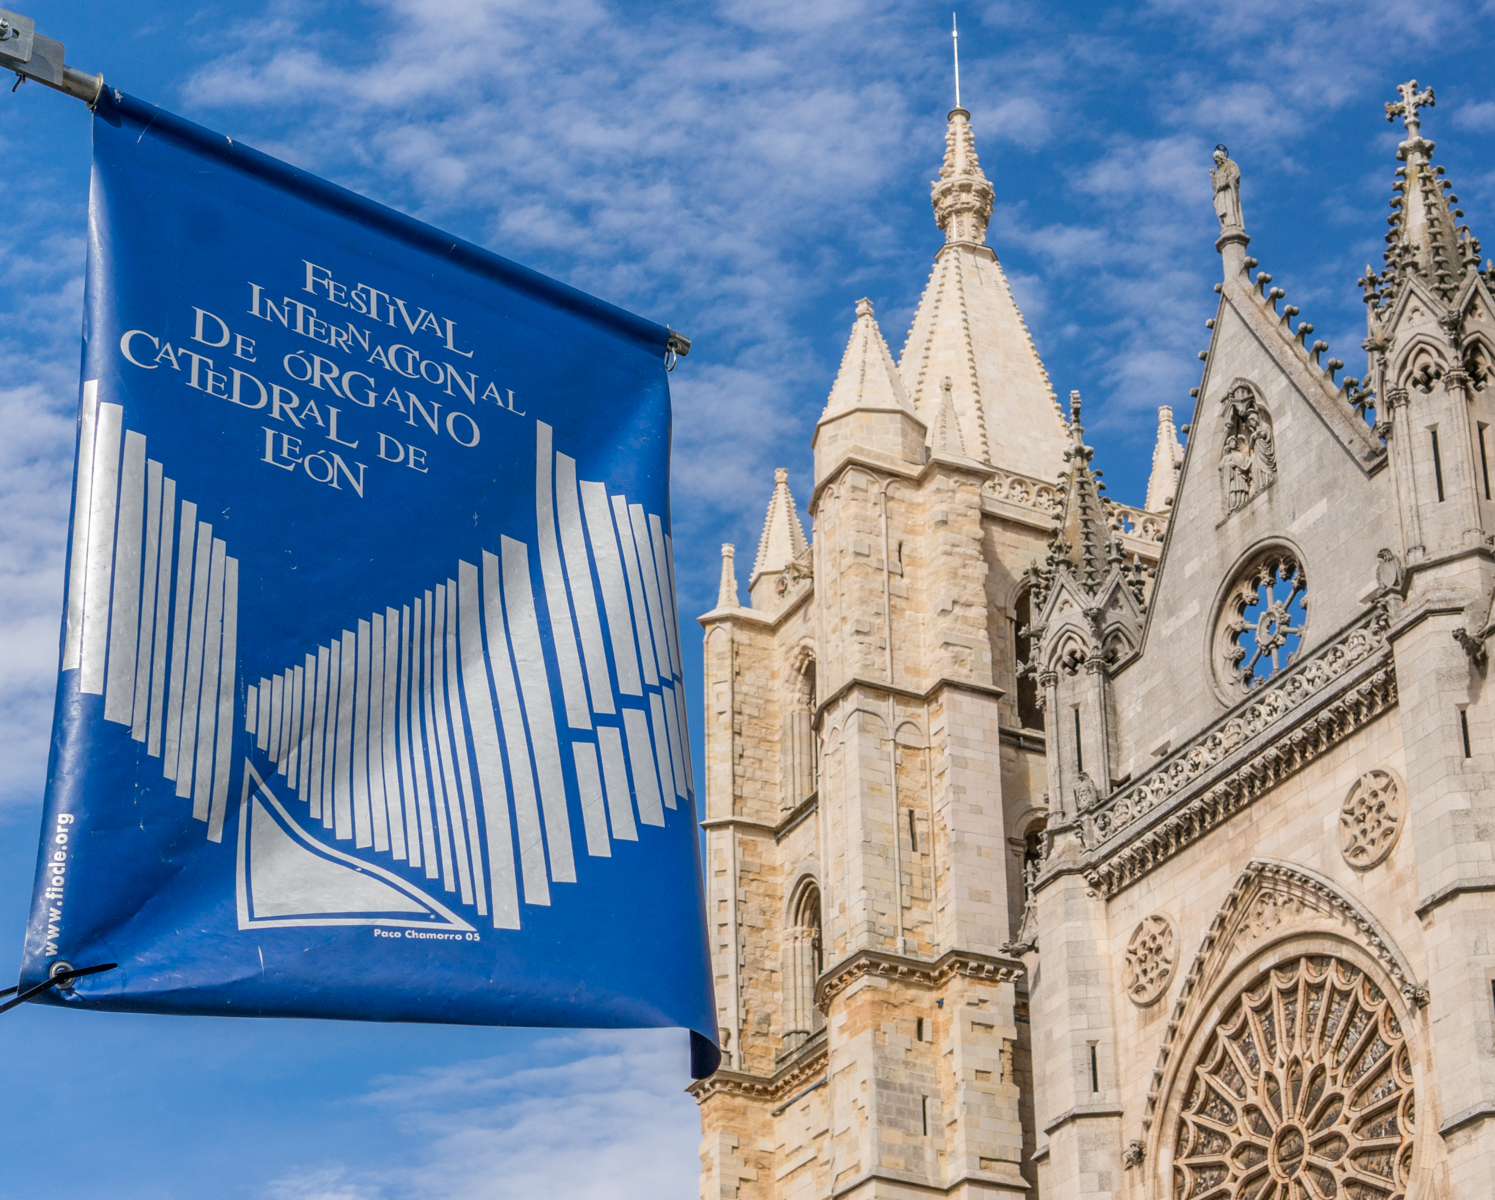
(1424,239)
(726,596)
(867,378)
(1167,457)
(1084,545)
(783,539)
(968,330)
(946,437)
(962,195)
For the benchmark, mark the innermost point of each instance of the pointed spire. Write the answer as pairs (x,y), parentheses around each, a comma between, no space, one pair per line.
(962,196)
(968,329)
(867,378)
(1424,239)
(946,437)
(1167,457)
(1084,542)
(783,539)
(726,596)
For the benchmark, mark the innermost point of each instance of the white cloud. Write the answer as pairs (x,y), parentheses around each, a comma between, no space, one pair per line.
(603,1117)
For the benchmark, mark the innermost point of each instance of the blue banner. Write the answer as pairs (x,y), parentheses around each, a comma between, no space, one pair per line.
(371,702)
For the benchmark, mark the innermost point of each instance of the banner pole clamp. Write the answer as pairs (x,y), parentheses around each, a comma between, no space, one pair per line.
(62,977)
(676,348)
(32,56)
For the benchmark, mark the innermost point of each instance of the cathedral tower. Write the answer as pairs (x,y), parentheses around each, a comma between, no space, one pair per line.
(875,758)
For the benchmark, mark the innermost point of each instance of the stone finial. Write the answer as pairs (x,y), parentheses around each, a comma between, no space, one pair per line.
(946,436)
(726,596)
(1424,238)
(783,537)
(1167,458)
(962,196)
(1406,108)
(868,377)
(1083,543)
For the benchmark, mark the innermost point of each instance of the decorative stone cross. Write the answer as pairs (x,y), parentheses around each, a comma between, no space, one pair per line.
(1406,108)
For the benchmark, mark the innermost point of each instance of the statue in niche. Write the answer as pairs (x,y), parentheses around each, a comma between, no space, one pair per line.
(1248,463)
(1226,177)
(1086,796)
(1235,470)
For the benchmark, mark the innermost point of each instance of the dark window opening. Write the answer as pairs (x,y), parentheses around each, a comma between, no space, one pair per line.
(913,833)
(925,1113)
(1484,461)
(1464,729)
(919,1027)
(1094,1070)
(1437,467)
(1029,715)
(1079,744)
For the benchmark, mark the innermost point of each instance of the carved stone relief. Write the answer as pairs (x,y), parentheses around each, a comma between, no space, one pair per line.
(1248,457)
(1370,819)
(1149,960)
(1304,1089)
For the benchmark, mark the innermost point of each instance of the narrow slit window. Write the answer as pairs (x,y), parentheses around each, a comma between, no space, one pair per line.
(925,1114)
(1079,744)
(913,833)
(1484,460)
(1464,729)
(919,1030)
(1094,1069)
(1437,466)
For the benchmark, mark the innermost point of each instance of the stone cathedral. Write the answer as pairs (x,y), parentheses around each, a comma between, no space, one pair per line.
(1063,849)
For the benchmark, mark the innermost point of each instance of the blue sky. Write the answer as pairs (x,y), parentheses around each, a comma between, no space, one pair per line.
(744,170)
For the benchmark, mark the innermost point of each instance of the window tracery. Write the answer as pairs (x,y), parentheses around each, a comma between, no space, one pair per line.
(1262,621)
(1303,1092)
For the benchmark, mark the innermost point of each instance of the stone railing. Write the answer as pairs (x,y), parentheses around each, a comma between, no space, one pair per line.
(1046,498)
(1134,522)
(1272,705)
(1025,491)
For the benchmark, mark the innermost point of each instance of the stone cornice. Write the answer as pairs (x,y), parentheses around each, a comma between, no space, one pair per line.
(882,685)
(1292,721)
(790,820)
(923,972)
(813,1057)
(1081,1112)
(753,616)
(898,469)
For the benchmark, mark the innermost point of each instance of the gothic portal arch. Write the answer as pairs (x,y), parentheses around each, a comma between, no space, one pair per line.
(1293,1066)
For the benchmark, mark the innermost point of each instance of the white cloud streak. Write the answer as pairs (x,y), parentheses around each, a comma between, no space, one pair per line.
(589,1116)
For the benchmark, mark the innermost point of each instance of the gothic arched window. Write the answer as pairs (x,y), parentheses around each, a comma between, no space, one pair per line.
(1304,1090)
(804,960)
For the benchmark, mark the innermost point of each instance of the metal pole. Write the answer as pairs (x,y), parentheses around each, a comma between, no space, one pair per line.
(32,56)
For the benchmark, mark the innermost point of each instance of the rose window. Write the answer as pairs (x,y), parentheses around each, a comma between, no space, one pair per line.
(1304,1092)
(1262,623)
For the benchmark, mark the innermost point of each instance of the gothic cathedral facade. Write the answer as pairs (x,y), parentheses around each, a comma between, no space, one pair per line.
(1063,849)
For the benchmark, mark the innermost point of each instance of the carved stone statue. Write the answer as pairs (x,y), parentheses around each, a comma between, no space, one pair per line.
(1086,797)
(1235,471)
(1226,177)
(1248,463)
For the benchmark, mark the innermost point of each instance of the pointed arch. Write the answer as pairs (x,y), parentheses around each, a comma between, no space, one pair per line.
(1275,913)
(803,960)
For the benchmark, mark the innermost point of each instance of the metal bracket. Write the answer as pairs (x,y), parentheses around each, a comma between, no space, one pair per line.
(62,977)
(677,347)
(32,56)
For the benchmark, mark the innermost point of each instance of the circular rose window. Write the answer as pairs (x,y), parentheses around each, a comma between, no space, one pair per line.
(1304,1092)
(1260,628)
